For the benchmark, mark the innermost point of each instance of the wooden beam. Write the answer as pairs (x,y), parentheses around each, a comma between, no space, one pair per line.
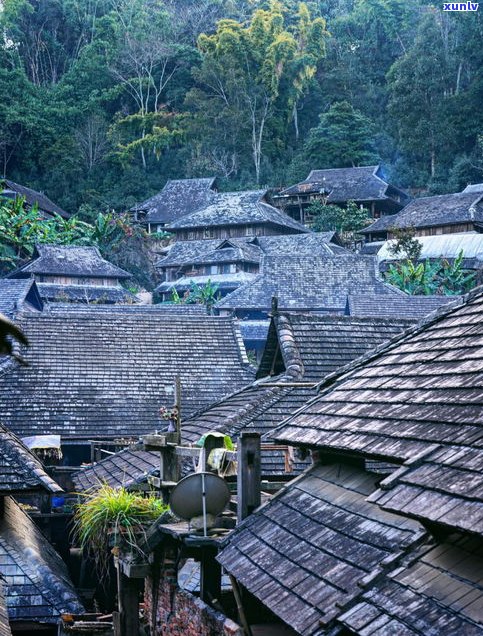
(249,474)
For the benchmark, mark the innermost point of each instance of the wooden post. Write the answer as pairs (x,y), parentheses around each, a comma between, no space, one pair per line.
(249,474)
(128,605)
(177,403)
(210,576)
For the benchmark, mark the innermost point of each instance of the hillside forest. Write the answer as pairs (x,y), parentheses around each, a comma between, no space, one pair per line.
(102,101)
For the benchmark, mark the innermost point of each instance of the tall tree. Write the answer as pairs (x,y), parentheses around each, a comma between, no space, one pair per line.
(251,77)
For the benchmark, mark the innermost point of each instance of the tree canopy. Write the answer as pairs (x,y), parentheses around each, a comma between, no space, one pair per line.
(103,101)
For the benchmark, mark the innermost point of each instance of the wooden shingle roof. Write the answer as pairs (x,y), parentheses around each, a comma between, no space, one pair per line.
(234,250)
(37,586)
(311,346)
(317,282)
(20,470)
(439,592)
(364,183)
(401,306)
(32,198)
(442,485)
(95,373)
(178,198)
(17,294)
(310,551)
(72,260)
(422,389)
(444,209)
(237,208)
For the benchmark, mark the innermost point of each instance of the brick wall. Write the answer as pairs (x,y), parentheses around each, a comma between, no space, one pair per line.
(171,611)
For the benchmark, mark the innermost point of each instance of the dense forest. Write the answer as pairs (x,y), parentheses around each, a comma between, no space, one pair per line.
(102,101)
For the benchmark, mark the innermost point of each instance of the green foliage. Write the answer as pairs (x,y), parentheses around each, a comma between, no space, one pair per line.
(405,245)
(107,513)
(206,294)
(438,277)
(343,138)
(102,102)
(346,221)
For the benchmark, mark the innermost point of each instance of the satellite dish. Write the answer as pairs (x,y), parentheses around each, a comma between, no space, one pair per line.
(199,494)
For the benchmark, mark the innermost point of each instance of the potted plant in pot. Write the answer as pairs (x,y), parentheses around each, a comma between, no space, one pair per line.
(116,518)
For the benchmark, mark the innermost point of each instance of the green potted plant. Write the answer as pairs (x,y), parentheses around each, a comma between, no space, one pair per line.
(114,517)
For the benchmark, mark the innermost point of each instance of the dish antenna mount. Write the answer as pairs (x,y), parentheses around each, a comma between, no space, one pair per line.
(200,496)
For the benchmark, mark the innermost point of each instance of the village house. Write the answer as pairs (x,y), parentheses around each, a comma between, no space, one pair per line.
(430,216)
(103,375)
(338,551)
(234,215)
(365,185)
(178,198)
(75,274)
(35,589)
(229,263)
(47,208)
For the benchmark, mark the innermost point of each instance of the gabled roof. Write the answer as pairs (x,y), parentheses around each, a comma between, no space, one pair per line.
(20,470)
(178,198)
(37,586)
(32,197)
(309,282)
(438,592)
(100,373)
(208,251)
(346,184)
(314,346)
(71,260)
(237,208)
(402,306)
(423,388)
(444,209)
(18,294)
(311,551)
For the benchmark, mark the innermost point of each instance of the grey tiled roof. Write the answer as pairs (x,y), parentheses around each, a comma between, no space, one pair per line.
(211,251)
(401,306)
(32,197)
(309,282)
(126,468)
(300,244)
(444,209)
(85,294)
(160,309)
(438,592)
(95,373)
(422,389)
(20,470)
(71,260)
(444,484)
(238,208)
(310,552)
(344,184)
(178,198)
(15,292)
(37,586)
